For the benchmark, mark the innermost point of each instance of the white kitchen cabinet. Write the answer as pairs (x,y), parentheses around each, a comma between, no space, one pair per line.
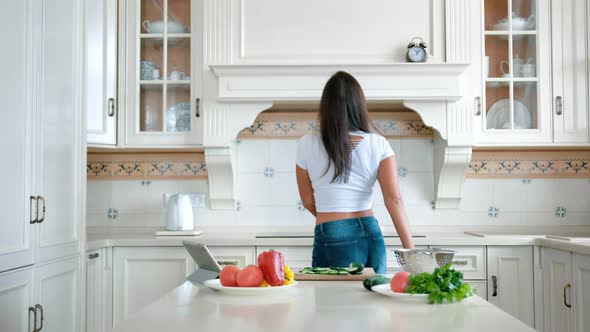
(516,98)
(16,296)
(99,274)
(143,274)
(510,276)
(16,92)
(60,160)
(100,75)
(569,46)
(581,292)
(557,298)
(481,288)
(163,71)
(58,288)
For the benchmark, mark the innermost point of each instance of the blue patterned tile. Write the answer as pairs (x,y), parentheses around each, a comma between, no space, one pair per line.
(493,212)
(560,212)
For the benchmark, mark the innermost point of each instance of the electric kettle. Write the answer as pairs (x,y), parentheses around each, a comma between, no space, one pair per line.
(180,213)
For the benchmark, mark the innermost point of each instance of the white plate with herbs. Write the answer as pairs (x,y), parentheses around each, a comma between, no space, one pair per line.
(385,290)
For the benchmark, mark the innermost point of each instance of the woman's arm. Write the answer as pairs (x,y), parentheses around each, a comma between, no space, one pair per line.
(305,190)
(389,182)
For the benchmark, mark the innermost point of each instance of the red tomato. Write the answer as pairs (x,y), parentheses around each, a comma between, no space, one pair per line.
(250,276)
(399,282)
(228,274)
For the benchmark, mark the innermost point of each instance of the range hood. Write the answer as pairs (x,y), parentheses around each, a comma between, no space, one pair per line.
(246,73)
(434,91)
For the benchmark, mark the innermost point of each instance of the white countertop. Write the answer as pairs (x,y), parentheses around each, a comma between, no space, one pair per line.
(313,306)
(142,237)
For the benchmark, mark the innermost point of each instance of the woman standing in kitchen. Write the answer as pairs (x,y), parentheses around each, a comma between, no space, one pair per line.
(336,171)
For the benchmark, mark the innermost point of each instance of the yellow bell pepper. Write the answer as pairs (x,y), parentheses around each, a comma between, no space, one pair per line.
(289,275)
(264,283)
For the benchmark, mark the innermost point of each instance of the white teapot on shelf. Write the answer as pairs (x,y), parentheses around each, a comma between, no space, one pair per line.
(518,23)
(158,27)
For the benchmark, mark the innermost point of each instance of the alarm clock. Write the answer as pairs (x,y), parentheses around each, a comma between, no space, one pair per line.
(417,51)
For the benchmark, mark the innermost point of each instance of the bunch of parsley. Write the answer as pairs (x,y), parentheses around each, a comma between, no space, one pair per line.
(443,284)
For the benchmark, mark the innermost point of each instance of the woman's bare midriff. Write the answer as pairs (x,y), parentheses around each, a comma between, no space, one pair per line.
(323,217)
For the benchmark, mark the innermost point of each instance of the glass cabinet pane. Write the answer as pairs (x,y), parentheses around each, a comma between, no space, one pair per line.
(179,59)
(152,16)
(151,60)
(178,108)
(496,61)
(524,59)
(179,16)
(525,105)
(498,105)
(523,17)
(496,15)
(150,107)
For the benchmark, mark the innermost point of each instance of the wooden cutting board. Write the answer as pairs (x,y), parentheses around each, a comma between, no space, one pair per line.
(367,273)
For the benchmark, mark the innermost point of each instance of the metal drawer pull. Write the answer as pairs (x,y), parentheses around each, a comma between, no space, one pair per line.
(478,106)
(495,286)
(111,107)
(198,107)
(558,105)
(227,262)
(40,307)
(31,309)
(33,202)
(42,199)
(93,256)
(461,262)
(564,295)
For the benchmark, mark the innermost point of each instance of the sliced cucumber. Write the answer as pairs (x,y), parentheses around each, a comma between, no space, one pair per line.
(343,273)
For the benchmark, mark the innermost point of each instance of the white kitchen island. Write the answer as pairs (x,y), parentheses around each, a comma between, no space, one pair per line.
(313,306)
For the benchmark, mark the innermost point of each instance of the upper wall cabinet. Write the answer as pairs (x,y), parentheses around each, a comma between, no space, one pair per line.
(570,70)
(101,72)
(163,72)
(517,72)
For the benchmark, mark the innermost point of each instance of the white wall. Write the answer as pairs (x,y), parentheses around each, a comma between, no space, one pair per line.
(273,200)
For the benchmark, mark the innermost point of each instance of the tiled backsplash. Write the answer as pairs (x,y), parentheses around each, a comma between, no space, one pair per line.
(129,166)
(267,191)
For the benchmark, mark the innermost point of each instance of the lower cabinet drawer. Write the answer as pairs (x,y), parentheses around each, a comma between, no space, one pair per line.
(297,257)
(239,256)
(470,260)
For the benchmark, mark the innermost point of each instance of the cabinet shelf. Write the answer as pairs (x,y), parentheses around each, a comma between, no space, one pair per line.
(514,32)
(160,36)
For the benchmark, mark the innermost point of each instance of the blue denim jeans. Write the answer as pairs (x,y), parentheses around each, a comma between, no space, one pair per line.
(341,242)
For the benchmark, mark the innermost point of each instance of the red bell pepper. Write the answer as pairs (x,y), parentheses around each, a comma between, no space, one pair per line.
(272,265)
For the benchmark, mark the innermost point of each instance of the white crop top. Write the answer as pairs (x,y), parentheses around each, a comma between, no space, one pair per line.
(357,193)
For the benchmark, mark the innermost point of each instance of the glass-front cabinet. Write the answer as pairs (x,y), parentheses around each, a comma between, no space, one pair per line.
(516,97)
(164,70)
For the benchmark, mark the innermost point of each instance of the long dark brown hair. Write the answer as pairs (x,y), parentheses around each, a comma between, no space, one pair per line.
(342,109)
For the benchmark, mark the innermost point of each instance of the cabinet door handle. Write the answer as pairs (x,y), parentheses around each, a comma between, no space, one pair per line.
(42,199)
(478,106)
(198,107)
(93,256)
(33,209)
(31,309)
(564,295)
(228,262)
(558,105)
(40,307)
(461,262)
(494,286)
(111,107)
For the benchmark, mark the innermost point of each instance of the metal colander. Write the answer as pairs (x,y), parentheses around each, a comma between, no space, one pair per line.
(417,261)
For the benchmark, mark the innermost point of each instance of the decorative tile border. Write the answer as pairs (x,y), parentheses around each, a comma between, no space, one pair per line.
(529,164)
(399,124)
(131,166)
